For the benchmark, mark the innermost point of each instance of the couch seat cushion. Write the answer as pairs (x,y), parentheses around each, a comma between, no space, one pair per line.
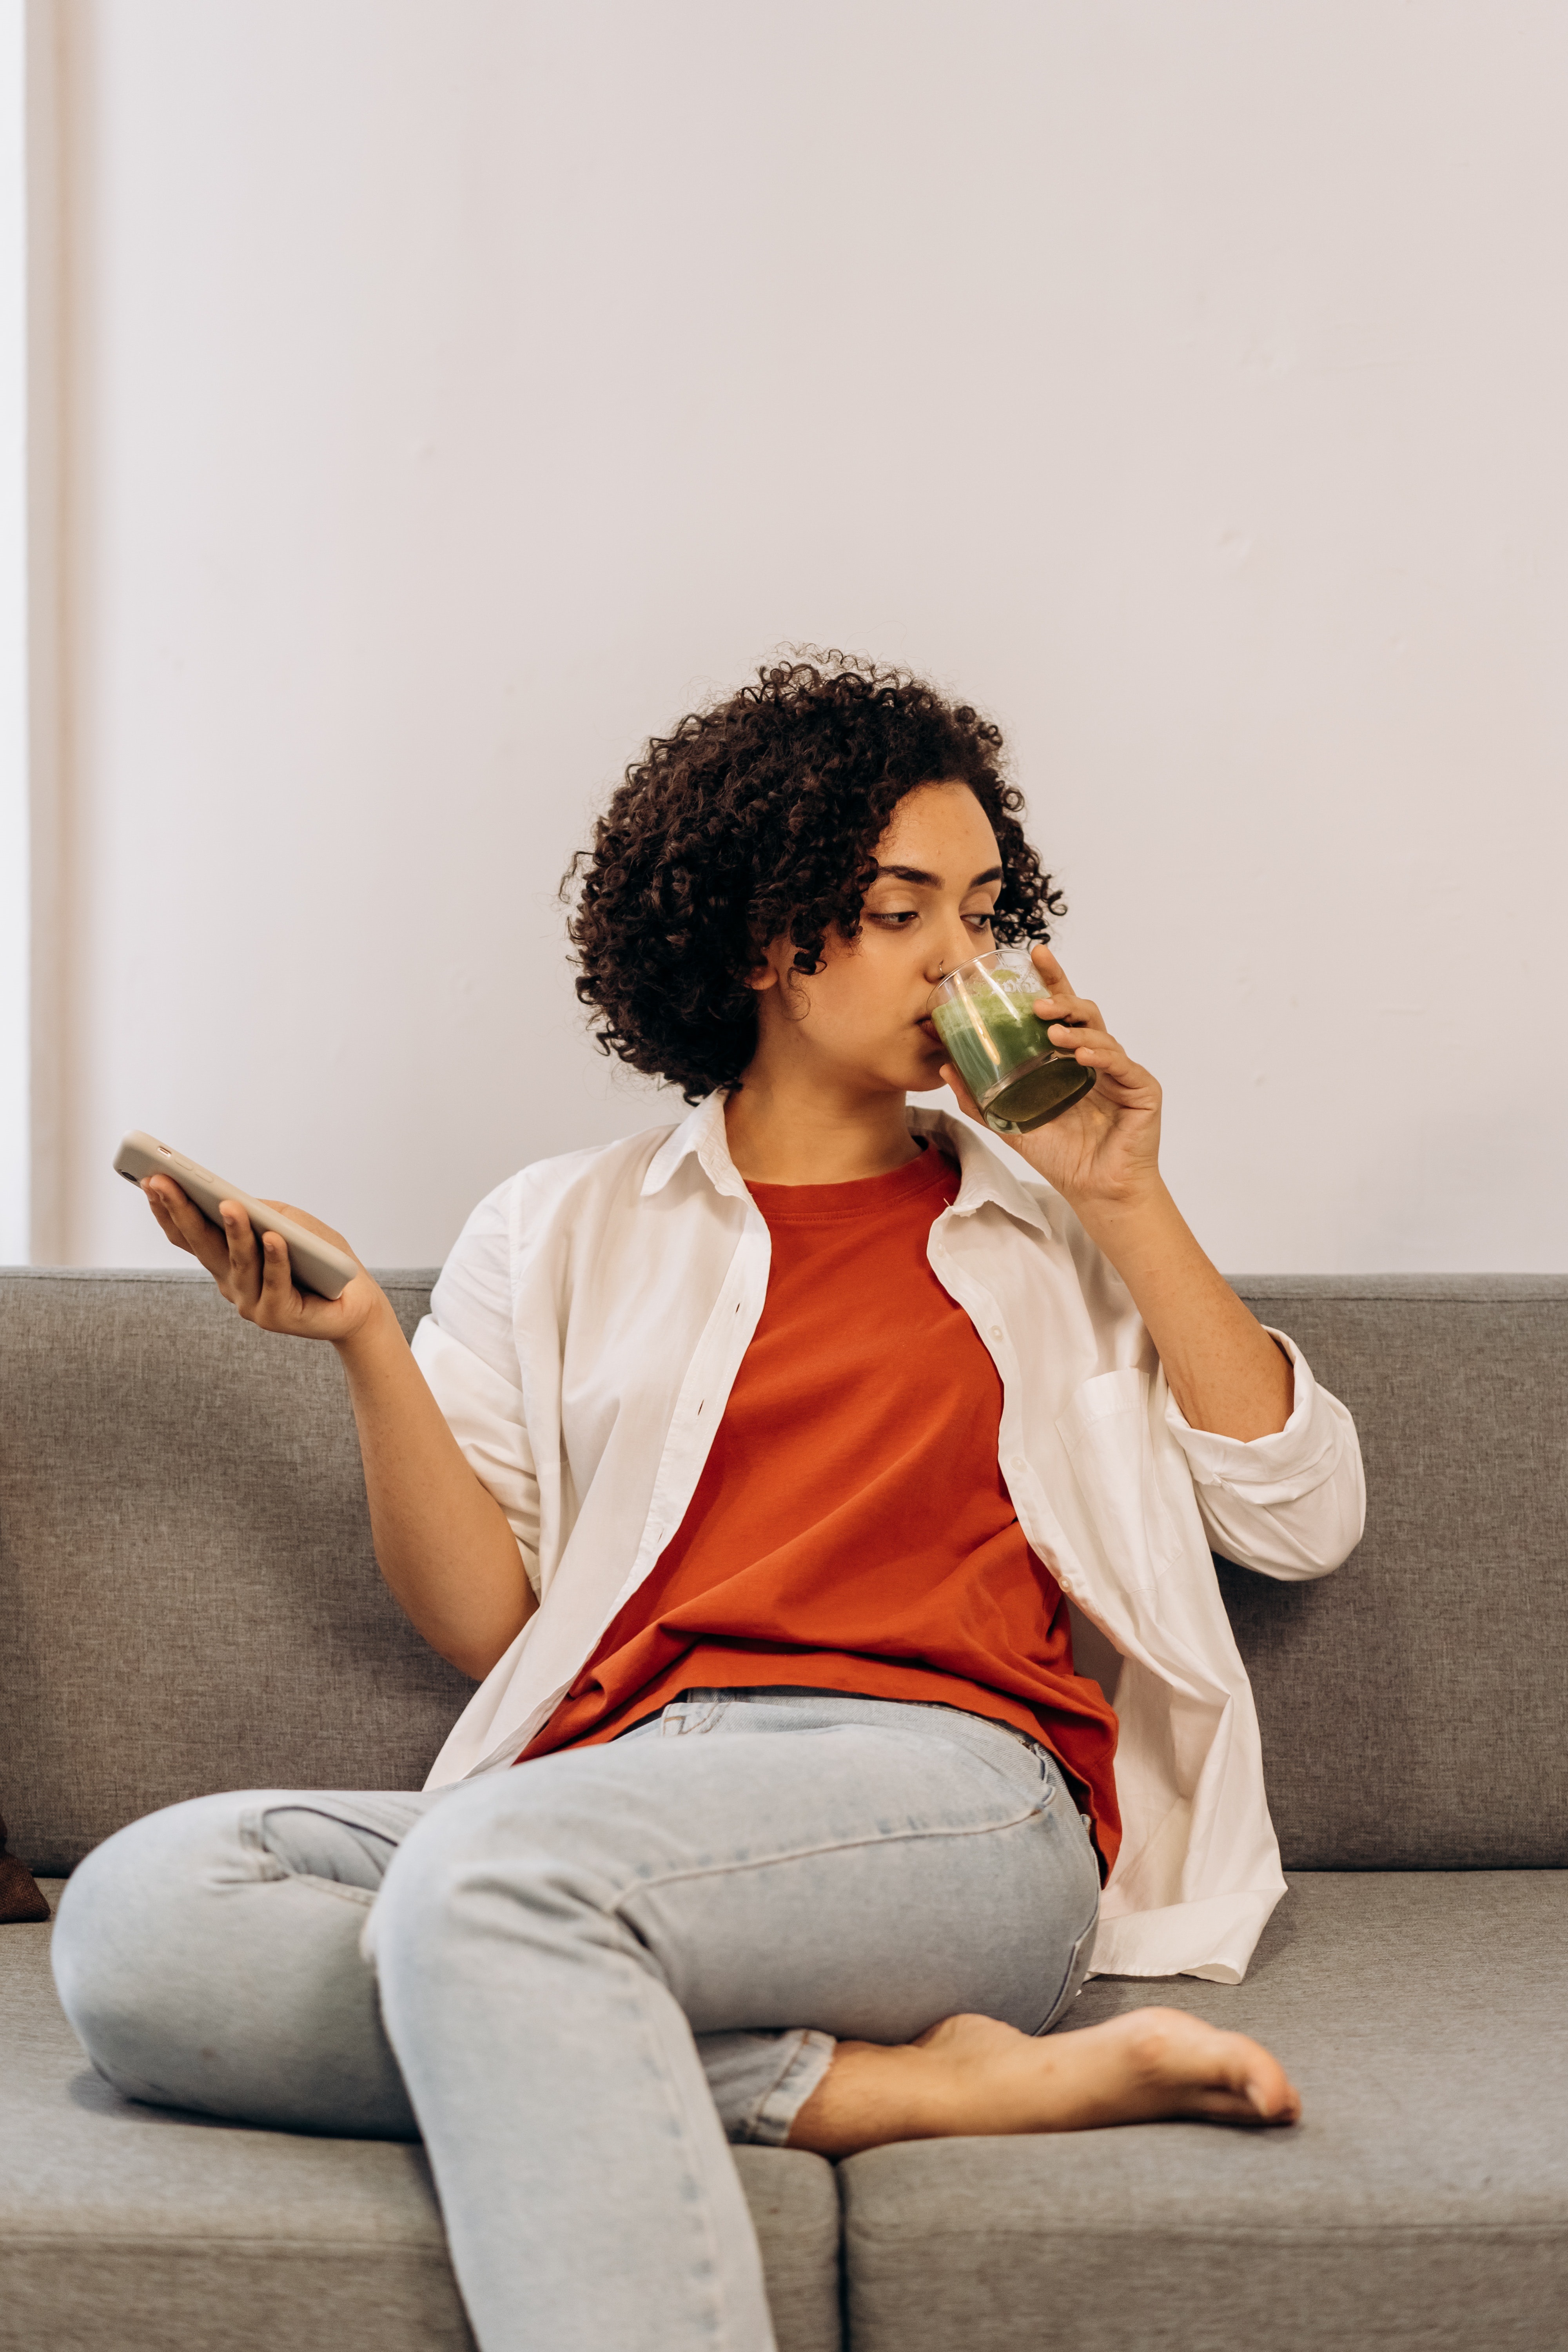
(145,2230)
(1422,2203)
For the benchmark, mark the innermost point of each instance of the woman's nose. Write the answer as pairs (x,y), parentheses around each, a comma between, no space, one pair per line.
(952,949)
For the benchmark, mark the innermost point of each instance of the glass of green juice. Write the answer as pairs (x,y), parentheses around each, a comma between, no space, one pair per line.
(983,1014)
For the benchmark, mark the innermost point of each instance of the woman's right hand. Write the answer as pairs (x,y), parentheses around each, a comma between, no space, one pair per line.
(253,1271)
(443,1541)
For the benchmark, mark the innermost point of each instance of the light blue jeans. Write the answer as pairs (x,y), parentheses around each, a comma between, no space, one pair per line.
(588,1973)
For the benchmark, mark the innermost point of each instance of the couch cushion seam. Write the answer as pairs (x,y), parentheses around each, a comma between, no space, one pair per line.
(1206,2233)
(55,2241)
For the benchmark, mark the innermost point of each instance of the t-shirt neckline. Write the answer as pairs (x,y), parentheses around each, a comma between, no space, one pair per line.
(863,1196)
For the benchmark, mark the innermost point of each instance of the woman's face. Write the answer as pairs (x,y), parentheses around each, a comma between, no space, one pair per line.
(859,1020)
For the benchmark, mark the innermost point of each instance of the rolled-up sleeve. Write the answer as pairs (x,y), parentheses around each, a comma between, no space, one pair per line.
(484,1413)
(1292,1506)
(467,1350)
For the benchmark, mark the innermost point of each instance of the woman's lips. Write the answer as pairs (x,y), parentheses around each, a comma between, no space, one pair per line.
(928,1029)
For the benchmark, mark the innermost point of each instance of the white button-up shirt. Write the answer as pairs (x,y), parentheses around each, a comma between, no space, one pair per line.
(582,1342)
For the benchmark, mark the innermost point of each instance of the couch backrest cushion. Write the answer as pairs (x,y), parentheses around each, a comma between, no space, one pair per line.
(188,1597)
(1413,1704)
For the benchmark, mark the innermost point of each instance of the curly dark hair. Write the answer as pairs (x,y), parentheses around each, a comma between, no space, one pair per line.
(756,818)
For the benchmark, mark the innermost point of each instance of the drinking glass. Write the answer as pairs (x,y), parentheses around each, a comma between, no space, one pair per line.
(982,1014)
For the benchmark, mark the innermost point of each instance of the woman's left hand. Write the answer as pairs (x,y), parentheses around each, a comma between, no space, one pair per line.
(1106,1148)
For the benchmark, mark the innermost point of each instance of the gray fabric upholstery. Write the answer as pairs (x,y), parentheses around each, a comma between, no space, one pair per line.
(188,1600)
(188,1597)
(126,2229)
(1447,1630)
(1420,2205)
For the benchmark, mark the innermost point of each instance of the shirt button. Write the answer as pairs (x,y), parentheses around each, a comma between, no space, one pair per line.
(996,1331)
(1019,1462)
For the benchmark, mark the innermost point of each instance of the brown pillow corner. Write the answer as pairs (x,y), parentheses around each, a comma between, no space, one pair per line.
(20,1898)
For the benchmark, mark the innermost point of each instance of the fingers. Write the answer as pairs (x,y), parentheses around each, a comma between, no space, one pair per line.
(262,1279)
(228,1250)
(181,1222)
(162,1214)
(313,1225)
(1076,1026)
(1062,1005)
(966,1102)
(1058,986)
(1072,1023)
(1059,1002)
(278,1304)
(1045,964)
(252,1270)
(243,1284)
(1095,1048)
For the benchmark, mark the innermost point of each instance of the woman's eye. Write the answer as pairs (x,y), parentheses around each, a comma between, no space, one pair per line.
(980,922)
(896,920)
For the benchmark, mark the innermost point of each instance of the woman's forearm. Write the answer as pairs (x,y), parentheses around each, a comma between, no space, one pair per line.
(441,1538)
(1226,1373)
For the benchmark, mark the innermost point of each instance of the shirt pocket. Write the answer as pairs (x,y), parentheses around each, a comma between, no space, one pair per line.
(1107,1435)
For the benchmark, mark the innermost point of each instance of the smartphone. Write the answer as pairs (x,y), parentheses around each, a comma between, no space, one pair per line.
(315,1263)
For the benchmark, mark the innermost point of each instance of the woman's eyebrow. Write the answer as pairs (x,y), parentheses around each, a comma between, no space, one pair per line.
(918,874)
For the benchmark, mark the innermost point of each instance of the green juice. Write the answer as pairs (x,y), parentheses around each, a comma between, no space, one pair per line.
(1013,1070)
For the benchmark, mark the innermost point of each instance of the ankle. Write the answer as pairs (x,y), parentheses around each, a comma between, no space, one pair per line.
(871,2095)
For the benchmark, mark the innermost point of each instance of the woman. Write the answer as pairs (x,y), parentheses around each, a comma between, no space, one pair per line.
(748,1464)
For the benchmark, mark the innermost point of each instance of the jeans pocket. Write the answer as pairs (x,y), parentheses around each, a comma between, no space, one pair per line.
(694,1711)
(1078,1967)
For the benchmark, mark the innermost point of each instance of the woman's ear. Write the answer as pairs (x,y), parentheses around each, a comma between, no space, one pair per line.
(764,972)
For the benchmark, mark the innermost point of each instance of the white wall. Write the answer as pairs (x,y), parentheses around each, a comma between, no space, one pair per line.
(459,387)
(16,780)
(31,1223)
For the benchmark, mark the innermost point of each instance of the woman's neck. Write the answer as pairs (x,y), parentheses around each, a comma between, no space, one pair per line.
(781,1133)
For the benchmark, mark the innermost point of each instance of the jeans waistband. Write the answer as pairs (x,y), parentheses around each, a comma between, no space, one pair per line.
(978,1732)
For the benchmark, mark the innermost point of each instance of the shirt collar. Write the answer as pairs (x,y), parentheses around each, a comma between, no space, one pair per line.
(702,1134)
(984,1174)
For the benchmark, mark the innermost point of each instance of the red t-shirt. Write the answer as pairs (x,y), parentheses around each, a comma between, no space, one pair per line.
(851,1529)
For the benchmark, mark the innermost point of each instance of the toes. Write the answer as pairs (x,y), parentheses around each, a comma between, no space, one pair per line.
(1256,2076)
(1211,2072)
(1221,2107)
(1251,2106)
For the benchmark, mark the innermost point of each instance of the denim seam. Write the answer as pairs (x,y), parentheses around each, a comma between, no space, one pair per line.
(686,1717)
(362,1895)
(1034,1812)
(271,1871)
(252,1839)
(952,1735)
(717,2330)
(1057,2008)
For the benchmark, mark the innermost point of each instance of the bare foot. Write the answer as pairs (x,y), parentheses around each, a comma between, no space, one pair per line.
(972,2075)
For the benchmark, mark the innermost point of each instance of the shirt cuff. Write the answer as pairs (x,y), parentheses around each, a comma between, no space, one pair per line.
(1266,1469)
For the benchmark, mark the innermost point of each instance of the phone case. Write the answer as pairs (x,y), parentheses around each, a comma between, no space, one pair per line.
(316,1264)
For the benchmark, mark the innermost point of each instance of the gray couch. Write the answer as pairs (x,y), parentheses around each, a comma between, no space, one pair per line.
(188,1601)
